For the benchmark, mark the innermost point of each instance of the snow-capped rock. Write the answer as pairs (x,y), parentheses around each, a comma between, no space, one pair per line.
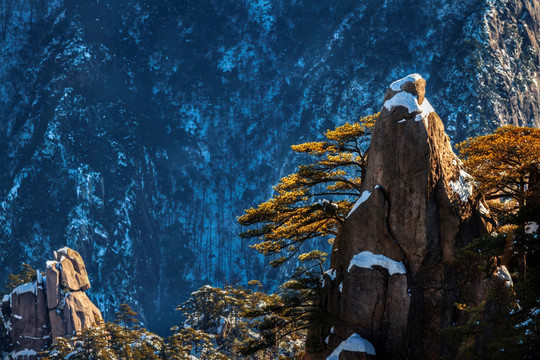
(36,313)
(392,253)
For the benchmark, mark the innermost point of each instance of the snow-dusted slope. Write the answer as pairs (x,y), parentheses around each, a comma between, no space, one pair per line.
(137,131)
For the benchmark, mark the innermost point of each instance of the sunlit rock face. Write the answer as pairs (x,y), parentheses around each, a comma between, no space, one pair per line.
(135,132)
(392,281)
(37,313)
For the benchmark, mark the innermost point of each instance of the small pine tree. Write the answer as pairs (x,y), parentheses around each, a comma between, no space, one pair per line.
(126,317)
(93,343)
(27,275)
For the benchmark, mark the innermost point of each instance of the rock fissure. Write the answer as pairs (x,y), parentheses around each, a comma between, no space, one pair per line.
(441,288)
(387,221)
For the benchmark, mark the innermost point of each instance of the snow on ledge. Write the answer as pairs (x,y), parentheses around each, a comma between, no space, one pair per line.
(366,259)
(410,101)
(463,186)
(361,199)
(365,195)
(331,274)
(405,99)
(354,343)
(531,227)
(425,109)
(6,298)
(21,289)
(502,273)
(483,209)
(25,352)
(396,85)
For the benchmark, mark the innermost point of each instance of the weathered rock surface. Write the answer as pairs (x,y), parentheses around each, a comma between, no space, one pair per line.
(26,326)
(36,313)
(52,276)
(73,275)
(79,312)
(391,282)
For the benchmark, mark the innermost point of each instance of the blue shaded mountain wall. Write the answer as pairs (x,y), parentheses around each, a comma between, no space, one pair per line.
(137,131)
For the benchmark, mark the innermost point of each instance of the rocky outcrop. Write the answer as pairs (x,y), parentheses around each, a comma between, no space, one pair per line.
(391,286)
(36,313)
(73,275)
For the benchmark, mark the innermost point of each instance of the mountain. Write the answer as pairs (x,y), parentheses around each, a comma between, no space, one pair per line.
(135,132)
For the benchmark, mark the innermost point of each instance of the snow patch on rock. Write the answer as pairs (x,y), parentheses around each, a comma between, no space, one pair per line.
(425,110)
(30,287)
(331,274)
(483,209)
(463,186)
(503,273)
(361,199)
(366,259)
(355,343)
(405,99)
(25,352)
(410,101)
(531,227)
(396,85)
(365,195)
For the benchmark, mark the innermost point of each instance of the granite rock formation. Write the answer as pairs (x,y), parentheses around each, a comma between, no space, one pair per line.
(391,288)
(53,306)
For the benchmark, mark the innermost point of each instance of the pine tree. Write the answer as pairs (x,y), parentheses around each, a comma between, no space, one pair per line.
(92,343)
(282,319)
(299,209)
(61,348)
(188,341)
(506,163)
(120,340)
(126,317)
(27,275)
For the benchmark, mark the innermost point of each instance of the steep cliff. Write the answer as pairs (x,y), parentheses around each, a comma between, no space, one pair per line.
(393,284)
(135,131)
(53,306)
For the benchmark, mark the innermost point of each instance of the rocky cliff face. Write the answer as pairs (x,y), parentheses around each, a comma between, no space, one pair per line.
(391,288)
(135,131)
(34,314)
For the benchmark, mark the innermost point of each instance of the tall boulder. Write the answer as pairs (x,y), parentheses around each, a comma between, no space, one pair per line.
(53,306)
(73,275)
(390,287)
(26,313)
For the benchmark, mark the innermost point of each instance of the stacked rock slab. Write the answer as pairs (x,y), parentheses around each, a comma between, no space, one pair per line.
(390,287)
(55,306)
(26,314)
